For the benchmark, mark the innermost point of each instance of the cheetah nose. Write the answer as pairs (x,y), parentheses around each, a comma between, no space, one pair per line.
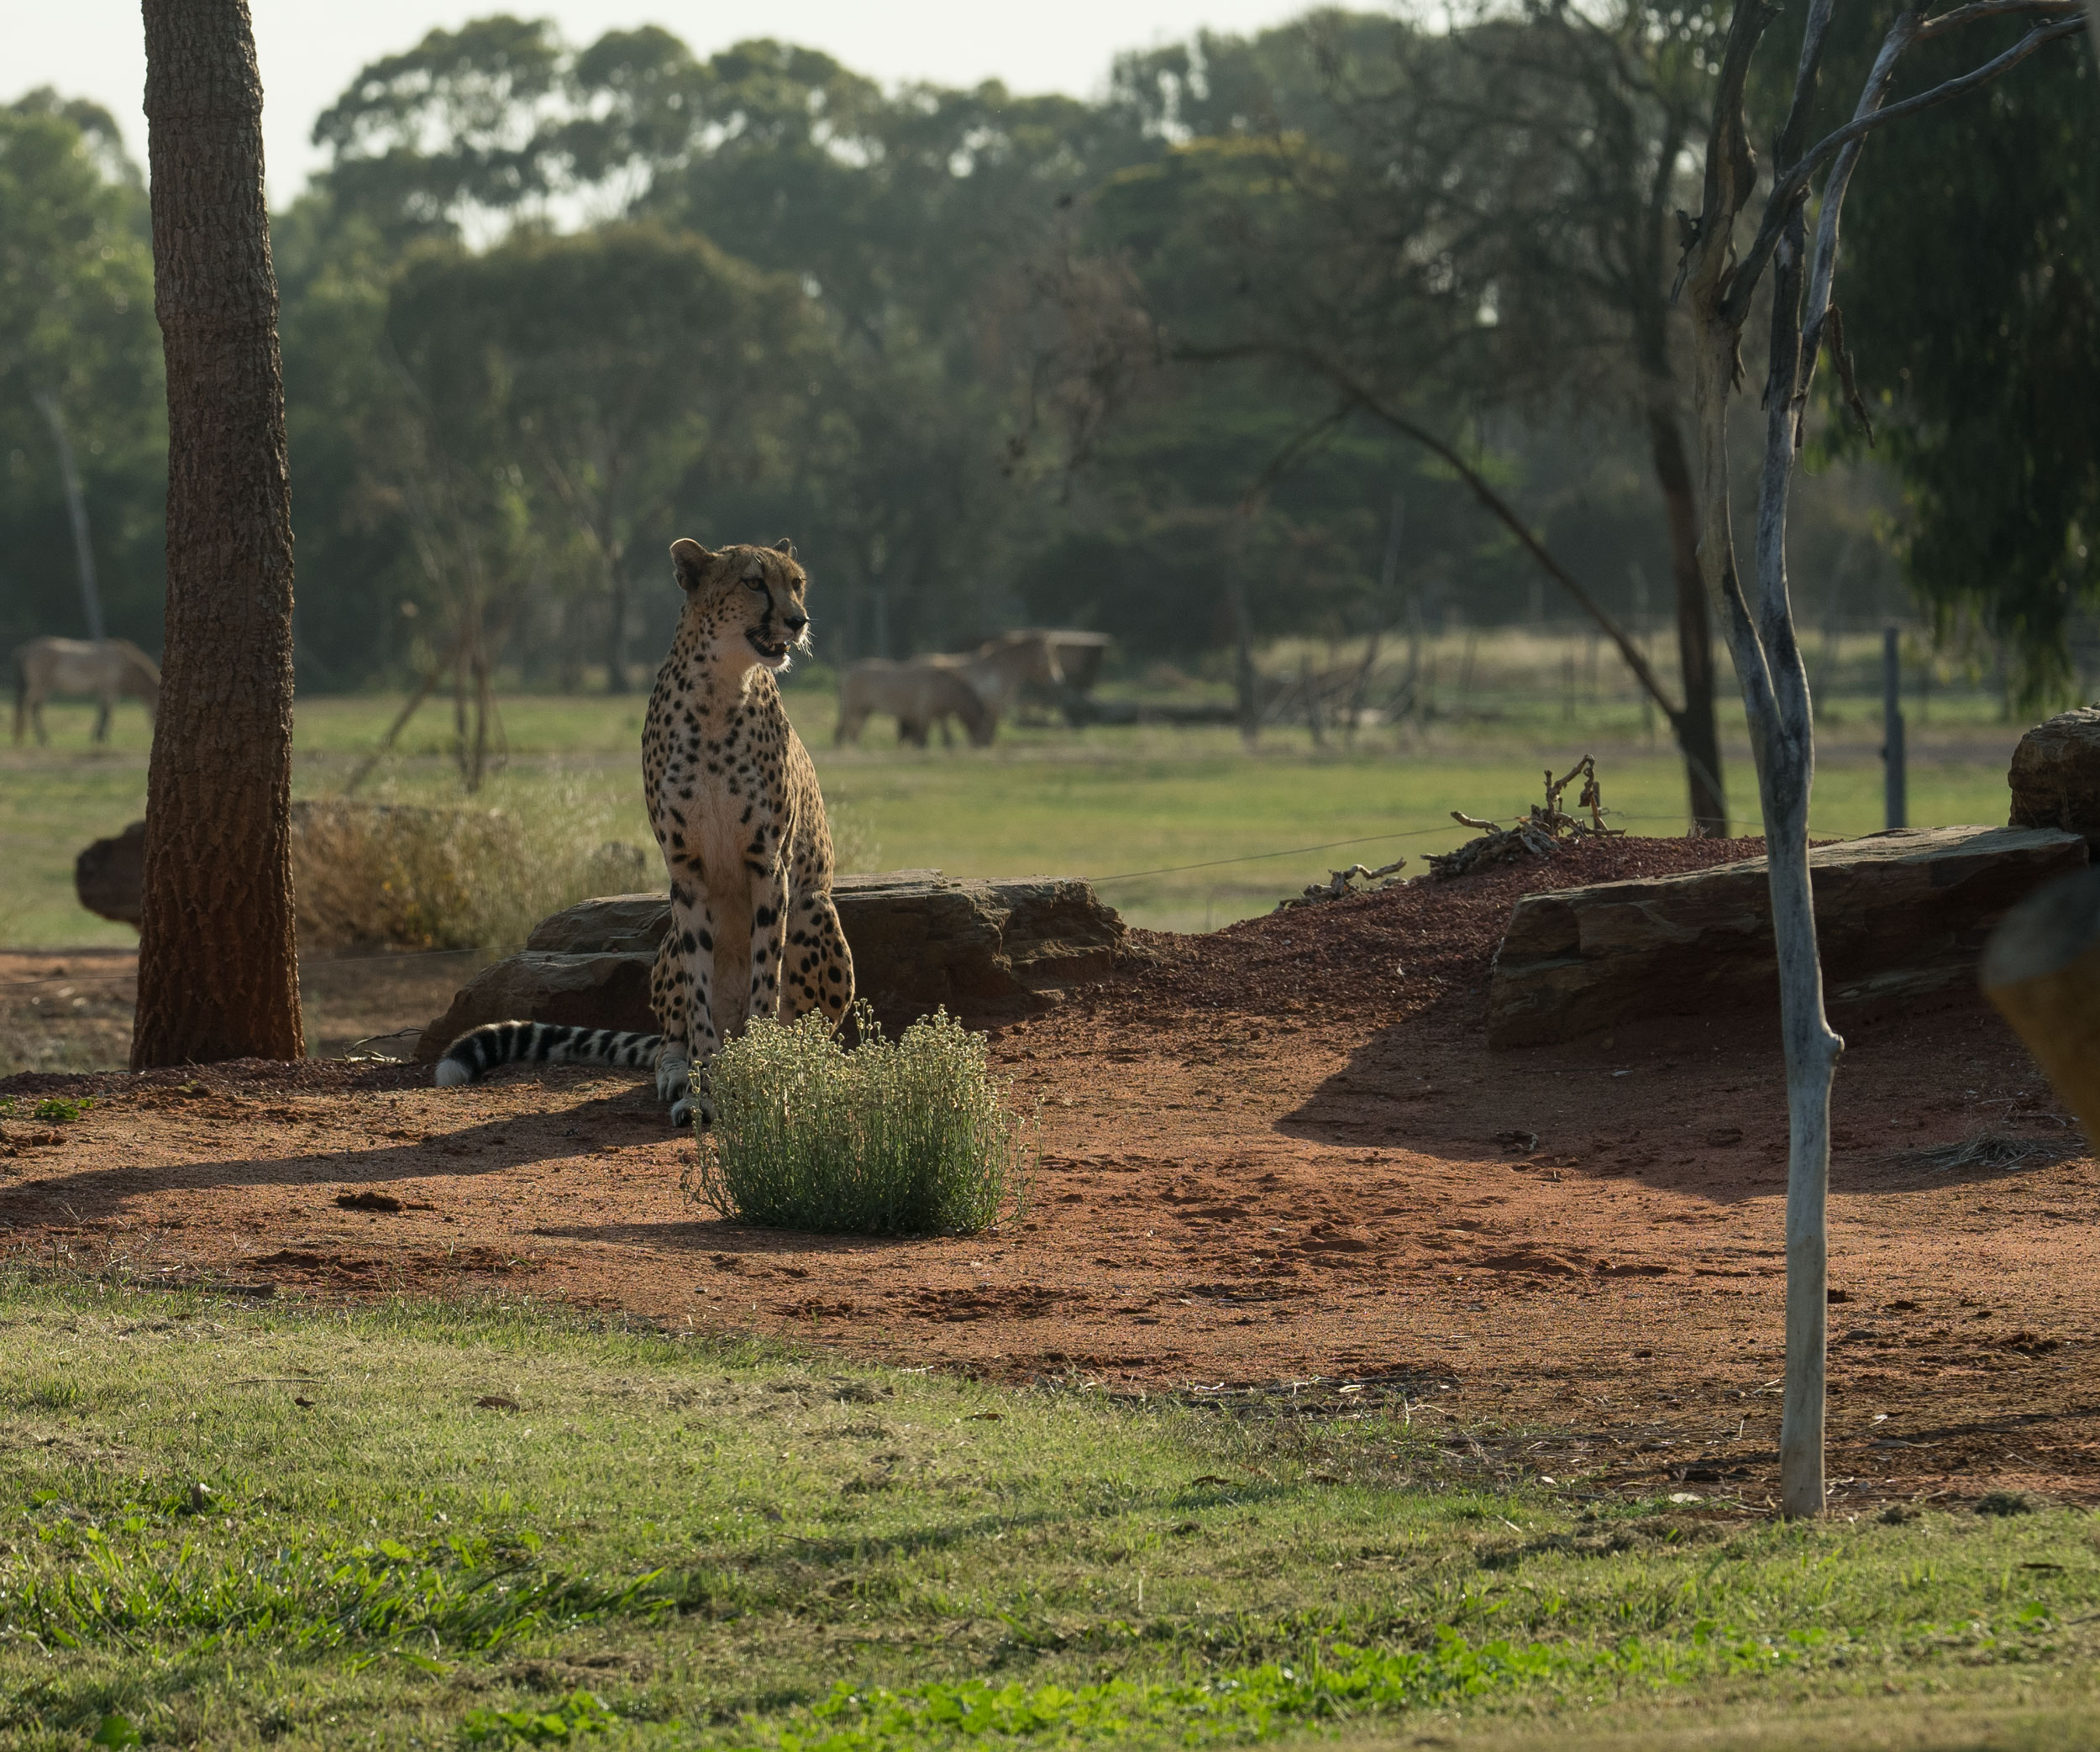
(795,623)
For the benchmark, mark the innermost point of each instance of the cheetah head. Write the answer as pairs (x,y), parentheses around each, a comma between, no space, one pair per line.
(751,594)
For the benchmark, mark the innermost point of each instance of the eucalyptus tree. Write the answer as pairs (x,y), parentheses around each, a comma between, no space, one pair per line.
(605,377)
(460,125)
(1981,364)
(1791,264)
(80,376)
(1432,226)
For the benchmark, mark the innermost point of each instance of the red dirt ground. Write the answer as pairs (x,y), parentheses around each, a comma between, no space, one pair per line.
(1281,1154)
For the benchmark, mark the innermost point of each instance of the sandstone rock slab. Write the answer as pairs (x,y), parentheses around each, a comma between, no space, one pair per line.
(985,950)
(1899,916)
(2056,774)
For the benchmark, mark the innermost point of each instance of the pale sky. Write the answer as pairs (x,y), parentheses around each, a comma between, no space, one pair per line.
(312,49)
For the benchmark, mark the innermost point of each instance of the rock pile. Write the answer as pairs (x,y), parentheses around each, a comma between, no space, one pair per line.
(985,950)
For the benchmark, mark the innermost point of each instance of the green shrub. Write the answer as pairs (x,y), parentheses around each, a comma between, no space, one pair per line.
(894,1137)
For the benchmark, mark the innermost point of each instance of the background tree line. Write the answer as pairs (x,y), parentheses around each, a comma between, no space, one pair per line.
(1158,364)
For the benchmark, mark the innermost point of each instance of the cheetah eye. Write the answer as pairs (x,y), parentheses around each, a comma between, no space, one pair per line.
(755,584)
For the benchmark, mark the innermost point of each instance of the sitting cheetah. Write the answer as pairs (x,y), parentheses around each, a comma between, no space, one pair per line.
(733,800)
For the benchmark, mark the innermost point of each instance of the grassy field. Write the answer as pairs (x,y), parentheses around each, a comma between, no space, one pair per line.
(1183,829)
(431,1526)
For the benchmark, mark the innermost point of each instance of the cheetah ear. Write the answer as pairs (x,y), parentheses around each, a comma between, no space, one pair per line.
(785,546)
(690,562)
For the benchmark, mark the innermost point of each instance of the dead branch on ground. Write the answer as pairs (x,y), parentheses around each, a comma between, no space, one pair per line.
(1538,835)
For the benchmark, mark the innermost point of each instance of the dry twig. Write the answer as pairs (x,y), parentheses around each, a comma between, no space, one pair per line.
(1547,826)
(1354,880)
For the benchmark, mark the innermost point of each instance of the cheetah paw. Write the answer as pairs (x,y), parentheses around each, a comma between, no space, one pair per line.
(674,1076)
(694,1108)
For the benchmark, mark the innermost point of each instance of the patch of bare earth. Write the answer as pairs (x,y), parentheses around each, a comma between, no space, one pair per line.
(1281,1154)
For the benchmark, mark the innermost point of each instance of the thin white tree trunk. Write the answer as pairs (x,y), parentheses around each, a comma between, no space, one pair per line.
(1760,625)
(1786,775)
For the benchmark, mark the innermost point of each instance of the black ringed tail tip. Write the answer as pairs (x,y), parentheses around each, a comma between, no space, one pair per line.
(475,1054)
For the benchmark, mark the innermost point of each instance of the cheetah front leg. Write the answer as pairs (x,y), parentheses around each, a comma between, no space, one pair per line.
(681,1069)
(818,972)
(671,1000)
(768,923)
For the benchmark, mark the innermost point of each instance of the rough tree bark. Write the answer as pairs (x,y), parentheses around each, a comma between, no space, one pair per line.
(217,972)
(1759,620)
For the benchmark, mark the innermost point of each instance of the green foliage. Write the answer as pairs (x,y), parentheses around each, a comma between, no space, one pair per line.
(1971,289)
(77,325)
(61,1108)
(467,1592)
(926,331)
(908,1136)
(578,1713)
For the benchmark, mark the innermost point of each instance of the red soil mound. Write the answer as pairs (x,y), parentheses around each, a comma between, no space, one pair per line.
(1393,953)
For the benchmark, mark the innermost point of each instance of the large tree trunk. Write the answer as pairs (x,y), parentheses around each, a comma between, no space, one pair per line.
(1697,732)
(217,970)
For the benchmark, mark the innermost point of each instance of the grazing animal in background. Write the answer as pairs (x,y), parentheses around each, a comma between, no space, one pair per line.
(919,694)
(733,799)
(112,670)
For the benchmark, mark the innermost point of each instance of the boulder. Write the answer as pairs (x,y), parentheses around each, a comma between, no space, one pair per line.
(985,950)
(2056,774)
(110,875)
(1899,916)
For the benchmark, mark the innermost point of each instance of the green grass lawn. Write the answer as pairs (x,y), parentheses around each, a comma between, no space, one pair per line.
(1122,805)
(450,1526)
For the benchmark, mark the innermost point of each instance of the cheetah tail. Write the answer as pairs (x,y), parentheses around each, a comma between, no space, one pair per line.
(474,1055)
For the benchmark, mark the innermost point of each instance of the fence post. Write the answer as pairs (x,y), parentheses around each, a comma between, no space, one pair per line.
(1893,788)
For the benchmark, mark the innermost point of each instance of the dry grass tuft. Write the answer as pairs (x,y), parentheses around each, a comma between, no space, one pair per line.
(1988,1150)
(407,876)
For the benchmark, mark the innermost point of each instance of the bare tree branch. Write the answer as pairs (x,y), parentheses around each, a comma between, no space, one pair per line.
(1961,15)
(1354,397)
(1791,185)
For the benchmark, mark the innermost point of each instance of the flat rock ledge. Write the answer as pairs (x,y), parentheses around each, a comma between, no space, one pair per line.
(987,951)
(1899,917)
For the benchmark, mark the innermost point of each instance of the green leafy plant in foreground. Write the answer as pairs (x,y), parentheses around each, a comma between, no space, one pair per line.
(299,1598)
(580,1712)
(1250,1702)
(56,1108)
(890,1137)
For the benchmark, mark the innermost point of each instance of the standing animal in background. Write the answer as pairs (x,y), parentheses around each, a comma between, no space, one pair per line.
(919,694)
(979,688)
(110,670)
(733,799)
(1000,668)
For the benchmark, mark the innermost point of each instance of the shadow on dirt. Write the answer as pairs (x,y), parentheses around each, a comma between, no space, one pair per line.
(1695,1106)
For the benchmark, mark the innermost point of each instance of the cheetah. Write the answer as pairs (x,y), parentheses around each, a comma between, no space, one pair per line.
(733,801)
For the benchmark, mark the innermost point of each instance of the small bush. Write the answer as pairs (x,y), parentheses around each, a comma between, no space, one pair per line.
(894,1137)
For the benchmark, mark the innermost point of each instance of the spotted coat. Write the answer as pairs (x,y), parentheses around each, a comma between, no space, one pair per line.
(733,800)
